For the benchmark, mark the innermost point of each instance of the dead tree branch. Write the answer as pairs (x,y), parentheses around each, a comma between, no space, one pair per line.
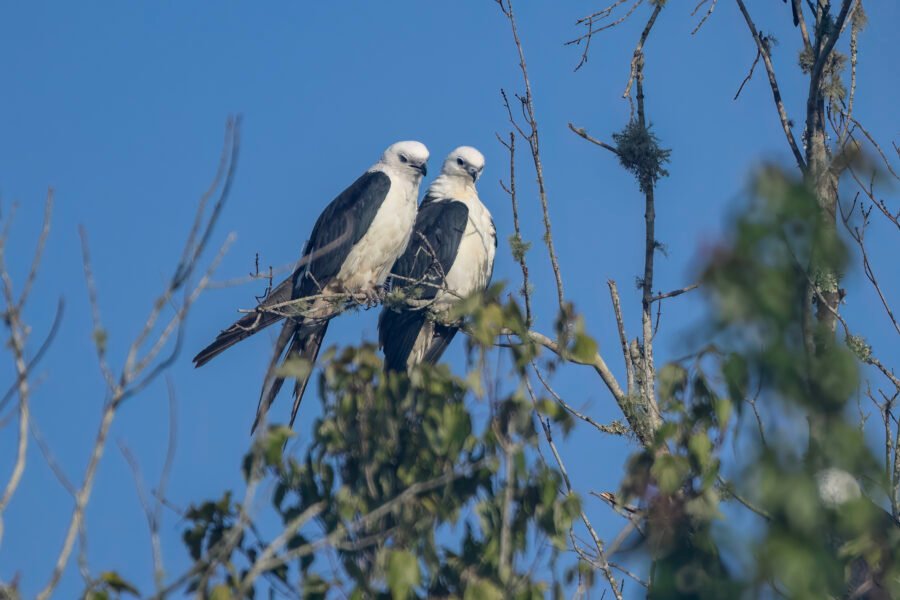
(533,139)
(136,373)
(763,49)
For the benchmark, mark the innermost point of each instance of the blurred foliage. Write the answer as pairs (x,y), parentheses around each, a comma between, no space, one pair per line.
(811,540)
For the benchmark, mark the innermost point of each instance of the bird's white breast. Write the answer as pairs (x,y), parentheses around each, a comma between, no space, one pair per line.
(471,270)
(369,262)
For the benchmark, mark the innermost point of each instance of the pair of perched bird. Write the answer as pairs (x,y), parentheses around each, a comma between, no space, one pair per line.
(440,251)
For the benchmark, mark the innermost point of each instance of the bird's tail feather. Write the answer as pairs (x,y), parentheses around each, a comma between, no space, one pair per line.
(247,325)
(305,342)
(307,348)
(397,335)
(440,339)
(240,330)
(271,382)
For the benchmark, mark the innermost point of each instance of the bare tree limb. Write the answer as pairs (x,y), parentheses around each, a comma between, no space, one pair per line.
(712,7)
(129,379)
(18,335)
(580,131)
(623,338)
(520,249)
(675,293)
(533,140)
(763,49)
(601,554)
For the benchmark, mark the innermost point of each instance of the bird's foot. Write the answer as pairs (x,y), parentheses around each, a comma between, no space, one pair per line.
(374,296)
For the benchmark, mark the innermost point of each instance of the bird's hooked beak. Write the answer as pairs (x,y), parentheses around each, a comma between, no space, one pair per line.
(473,173)
(423,169)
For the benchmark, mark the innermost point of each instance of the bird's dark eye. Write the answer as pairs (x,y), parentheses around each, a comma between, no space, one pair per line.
(460,162)
(403,159)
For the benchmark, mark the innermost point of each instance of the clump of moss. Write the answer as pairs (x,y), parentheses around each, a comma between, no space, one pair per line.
(640,153)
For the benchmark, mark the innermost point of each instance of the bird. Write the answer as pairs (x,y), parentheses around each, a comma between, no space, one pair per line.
(349,254)
(450,256)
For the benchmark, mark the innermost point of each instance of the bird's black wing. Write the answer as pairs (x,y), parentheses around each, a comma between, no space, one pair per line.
(432,248)
(420,271)
(341,225)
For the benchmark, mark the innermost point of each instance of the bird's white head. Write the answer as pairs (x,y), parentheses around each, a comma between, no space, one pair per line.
(407,157)
(465,162)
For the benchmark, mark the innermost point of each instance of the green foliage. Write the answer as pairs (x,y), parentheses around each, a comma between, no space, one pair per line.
(812,542)
(640,153)
(110,585)
(401,491)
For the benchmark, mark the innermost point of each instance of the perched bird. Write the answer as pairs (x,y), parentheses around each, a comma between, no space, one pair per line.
(450,256)
(349,253)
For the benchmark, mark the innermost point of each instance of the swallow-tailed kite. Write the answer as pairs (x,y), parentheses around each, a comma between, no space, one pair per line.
(349,253)
(450,256)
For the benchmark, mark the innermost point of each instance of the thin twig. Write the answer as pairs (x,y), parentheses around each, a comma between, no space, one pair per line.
(580,131)
(708,14)
(603,564)
(533,140)
(749,75)
(615,429)
(128,382)
(675,293)
(638,54)
(623,338)
(520,250)
(42,349)
(763,49)
(39,250)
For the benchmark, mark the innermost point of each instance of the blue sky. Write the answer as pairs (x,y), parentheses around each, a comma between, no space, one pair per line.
(120,107)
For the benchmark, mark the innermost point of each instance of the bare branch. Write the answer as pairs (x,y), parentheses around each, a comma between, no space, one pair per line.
(615,429)
(128,381)
(534,143)
(99,333)
(801,21)
(42,349)
(675,293)
(749,75)
(18,334)
(623,338)
(580,131)
(519,250)
(708,14)
(39,250)
(763,49)
(601,561)
(638,54)
(589,21)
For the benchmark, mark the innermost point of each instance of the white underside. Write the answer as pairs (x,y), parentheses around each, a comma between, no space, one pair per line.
(474,263)
(369,262)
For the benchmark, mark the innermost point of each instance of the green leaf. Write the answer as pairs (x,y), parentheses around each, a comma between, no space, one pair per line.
(482,589)
(116,583)
(273,444)
(221,592)
(298,368)
(701,449)
(585,348)
(669,472)
(402,573)
(672,380)
(723,412)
